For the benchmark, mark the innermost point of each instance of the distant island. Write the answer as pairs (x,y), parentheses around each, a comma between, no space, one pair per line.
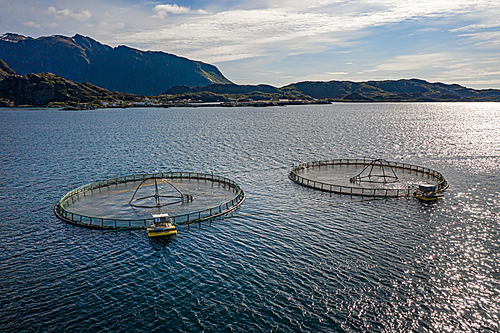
(80,73)
(413,90)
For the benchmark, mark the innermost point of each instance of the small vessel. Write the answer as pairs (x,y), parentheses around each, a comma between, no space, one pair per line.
(427,192)
(161,226)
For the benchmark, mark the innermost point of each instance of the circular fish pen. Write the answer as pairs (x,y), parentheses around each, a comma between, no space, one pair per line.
(366,177)
(129,201)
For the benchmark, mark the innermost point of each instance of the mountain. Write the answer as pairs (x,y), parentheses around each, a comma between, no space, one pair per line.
(49,89)
(224,92)
(124,69)
(5,70)
(412,90)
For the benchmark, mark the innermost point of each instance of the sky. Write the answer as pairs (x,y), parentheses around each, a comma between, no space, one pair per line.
(280,42)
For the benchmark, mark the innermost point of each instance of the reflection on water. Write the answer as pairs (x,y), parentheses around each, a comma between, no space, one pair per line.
(290,258)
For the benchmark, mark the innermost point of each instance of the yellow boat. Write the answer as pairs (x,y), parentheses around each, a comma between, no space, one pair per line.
(427,193)
(161,226)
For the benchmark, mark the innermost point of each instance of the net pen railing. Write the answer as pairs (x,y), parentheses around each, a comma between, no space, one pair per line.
(363,191)
(223,208)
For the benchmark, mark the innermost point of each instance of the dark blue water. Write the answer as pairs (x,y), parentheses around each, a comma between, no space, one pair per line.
(290,258)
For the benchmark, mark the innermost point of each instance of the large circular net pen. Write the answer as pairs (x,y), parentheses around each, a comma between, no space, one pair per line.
(129,201)
(366,177)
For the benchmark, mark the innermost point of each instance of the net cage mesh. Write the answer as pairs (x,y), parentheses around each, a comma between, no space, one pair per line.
(366,177)
(129,201)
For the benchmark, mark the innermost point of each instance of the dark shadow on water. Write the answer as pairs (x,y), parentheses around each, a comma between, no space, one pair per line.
(160,242)
(430,203)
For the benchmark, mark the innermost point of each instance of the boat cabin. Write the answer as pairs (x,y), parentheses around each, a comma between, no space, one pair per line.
(161,226)
(424,188)
(160,219)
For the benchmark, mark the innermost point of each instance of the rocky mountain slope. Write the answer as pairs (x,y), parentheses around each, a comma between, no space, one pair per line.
(124,69)
(49,89)
(5,70)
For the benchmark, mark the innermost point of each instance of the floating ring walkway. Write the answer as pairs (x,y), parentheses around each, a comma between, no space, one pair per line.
(345,176)
(215,188)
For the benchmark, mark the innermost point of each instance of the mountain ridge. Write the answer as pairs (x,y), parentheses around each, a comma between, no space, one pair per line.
(86,70)
(5,70)
(122,68)
(403,90)
(47,89)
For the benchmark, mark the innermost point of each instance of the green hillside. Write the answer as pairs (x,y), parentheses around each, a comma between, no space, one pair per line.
(413,90)
(48,89)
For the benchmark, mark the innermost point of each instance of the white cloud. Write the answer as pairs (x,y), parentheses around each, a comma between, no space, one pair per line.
(65,13)
(485,39)
(163,10)
(447,67)
(278,33)
(294,29)
(418,62)
(319,4)
(32,24)
(478,26)
(239,34)
(110,25)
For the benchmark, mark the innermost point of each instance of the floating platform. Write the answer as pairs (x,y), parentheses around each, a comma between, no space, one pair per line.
(109,204)
(161,226)
(426,192)
(366,177)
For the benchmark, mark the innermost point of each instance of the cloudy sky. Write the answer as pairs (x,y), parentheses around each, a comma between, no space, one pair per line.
(280,42)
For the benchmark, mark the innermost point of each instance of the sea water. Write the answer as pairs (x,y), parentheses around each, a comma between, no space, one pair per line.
(290,258)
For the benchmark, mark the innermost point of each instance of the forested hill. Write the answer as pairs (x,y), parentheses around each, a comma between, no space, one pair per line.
(123,69)
(413,90)
(393,90)
(47,89)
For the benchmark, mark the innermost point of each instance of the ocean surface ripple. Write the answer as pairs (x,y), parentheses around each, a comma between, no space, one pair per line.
(290,258)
